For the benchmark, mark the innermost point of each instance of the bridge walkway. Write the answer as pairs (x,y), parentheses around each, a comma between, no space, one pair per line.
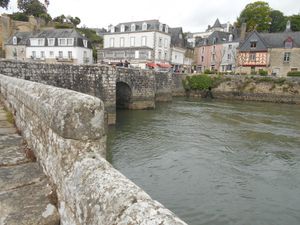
(25,194)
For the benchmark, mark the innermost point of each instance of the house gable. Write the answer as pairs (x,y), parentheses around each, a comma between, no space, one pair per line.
(254,43)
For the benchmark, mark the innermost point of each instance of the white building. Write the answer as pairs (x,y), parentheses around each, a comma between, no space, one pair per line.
(51,46)
(229,56)
(140,43)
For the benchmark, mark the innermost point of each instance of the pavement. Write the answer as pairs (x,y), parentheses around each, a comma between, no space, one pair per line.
(26,197)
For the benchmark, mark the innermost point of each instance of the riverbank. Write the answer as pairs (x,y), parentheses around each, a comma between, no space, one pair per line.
(253,88)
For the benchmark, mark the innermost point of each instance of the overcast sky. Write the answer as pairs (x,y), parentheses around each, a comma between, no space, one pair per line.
(192,15)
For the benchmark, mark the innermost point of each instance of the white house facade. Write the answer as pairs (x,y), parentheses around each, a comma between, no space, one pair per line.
(52,46)
(138,43)
(229,57)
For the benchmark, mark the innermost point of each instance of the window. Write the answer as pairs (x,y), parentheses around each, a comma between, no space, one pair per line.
(287,57)
(160,27)
(160,42)
(252,57)
(288,43)
(214,40)
(122,42)
(166,42)
(60,54)
(51,41)
(70,55)
(61,41)
(229,56)
(133,27)
(111,42)
(229,46)
(144,41)
(33,54)
(166,55)
(202,58)
(202,50)
(166,29)
(213,57)
(122,28)
(85,43)
(214,48)
(253,44)
(51,53)
(42,54)
(70,41)
(15,40)
(159,55)
(144,27)
(41,42)
(132,41)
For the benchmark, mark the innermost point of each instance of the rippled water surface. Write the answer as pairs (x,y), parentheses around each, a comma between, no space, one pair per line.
(214,162)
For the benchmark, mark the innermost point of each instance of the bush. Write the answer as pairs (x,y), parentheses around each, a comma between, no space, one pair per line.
(294,74)
(262,72)
(199,82)
(19,16)
(207,71)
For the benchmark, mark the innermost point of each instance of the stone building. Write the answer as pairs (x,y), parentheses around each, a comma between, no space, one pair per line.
(277,53)
(140,43)
(50,46)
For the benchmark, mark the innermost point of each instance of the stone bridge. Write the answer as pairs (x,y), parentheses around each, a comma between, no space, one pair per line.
(116,87)
(66,131)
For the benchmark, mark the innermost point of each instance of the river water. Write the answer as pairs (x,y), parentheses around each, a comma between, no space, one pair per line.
(214,162)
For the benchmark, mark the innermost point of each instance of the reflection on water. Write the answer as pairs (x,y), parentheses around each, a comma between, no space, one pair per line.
(214,162)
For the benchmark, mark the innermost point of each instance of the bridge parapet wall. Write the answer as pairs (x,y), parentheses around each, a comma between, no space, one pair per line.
(66,131)
(98,81)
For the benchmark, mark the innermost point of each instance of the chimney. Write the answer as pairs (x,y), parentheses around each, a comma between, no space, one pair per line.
(243,32)
(288,26)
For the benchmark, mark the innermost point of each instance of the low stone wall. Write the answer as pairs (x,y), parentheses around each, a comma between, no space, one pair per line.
(163,87)
(177,87)
(259,88)
(66,131)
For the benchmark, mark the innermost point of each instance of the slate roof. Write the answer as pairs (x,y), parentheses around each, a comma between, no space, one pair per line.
(269,40)
(217,24)
(152,25)
(176,41)
(217,37)
(23,37)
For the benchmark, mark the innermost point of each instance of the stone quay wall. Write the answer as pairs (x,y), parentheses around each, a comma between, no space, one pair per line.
(259,88)
(65,129)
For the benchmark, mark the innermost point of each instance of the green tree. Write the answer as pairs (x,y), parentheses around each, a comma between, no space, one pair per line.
(95,39)
(32,7)
(295,22)
(74,20)
(4,3)
(278,22)
(256,15)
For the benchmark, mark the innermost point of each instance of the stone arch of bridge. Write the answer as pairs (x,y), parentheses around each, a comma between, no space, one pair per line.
(123,95)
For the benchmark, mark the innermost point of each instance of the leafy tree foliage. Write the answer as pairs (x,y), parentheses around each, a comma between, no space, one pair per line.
(295,22)
(256,15)
(4,3)
(95,39)
(74,20)
(32,7)
(278,22)
(66,22)
(19,16)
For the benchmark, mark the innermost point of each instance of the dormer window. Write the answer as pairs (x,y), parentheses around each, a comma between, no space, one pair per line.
(122,28)
(112,29)
(51,41)
(160,27)
(253,44)
(133,27)
(214,40)
(144,27)
(166,29)
(288,43)
(15,40)
(85,43)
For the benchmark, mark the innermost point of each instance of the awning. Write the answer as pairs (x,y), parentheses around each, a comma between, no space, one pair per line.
(153,65)
(164,65)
